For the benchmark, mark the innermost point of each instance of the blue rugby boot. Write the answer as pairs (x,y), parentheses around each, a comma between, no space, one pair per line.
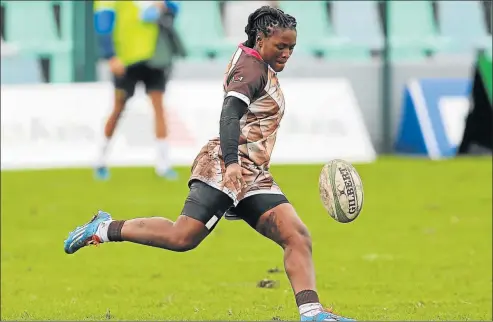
(102,173)
(325,315)
(86,234)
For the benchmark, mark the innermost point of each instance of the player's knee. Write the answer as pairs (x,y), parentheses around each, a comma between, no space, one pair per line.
(300,238)
(121,98)
(183,243)
(118,109)
(157,100)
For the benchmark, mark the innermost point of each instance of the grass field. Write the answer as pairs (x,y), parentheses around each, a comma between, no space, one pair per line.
(421,249)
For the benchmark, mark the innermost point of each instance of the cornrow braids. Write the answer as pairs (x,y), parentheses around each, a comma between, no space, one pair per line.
(264,19)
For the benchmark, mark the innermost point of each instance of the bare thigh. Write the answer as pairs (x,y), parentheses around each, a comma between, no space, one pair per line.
(274,217)
(282,225)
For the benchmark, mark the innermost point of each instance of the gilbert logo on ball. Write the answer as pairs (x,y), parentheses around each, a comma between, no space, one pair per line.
(341,190)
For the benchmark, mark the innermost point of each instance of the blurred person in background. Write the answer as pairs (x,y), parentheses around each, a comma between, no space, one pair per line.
(236,12)
(139,42)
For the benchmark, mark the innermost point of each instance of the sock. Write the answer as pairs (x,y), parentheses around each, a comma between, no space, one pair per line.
(310,309)
(308,303)
(114,231)
(102,152)
(102,231)
(163,162)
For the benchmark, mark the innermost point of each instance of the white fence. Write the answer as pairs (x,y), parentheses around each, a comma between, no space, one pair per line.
(54,126)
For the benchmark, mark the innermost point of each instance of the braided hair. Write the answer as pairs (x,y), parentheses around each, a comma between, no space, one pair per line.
(264,19)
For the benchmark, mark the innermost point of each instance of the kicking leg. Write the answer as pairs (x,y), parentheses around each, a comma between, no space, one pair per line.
(275,218)
(203,208)
(184,234)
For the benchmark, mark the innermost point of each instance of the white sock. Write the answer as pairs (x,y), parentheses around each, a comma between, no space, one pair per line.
(163,162)
(103,149)
(310,309)
(102,231)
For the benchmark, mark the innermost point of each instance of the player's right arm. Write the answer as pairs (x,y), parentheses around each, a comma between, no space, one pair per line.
(104,24)
(243,85)
(229,135)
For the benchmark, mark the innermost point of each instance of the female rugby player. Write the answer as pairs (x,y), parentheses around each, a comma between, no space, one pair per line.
(232,170)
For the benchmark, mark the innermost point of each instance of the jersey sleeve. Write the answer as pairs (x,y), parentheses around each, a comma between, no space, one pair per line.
(104,16)
(246,81)
(104,23)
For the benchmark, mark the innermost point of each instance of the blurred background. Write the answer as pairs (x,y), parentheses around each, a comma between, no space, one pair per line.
(371,82)
(381,48)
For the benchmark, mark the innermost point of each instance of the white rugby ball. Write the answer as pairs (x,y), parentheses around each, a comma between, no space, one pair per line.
(341,190)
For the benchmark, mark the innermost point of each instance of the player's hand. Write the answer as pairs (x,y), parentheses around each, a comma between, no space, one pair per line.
(116,66)
(233,178)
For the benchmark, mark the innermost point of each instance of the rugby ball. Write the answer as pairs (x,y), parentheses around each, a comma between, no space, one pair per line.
(341,190)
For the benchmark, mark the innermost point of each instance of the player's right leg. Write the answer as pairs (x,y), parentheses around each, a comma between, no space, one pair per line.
(124,89)
(202,211)
(275,218)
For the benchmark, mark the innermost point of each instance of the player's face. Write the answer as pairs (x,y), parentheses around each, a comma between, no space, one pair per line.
(277,48)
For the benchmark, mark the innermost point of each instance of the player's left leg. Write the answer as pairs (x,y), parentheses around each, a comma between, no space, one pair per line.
(155,82)
(275,218)
(202,210)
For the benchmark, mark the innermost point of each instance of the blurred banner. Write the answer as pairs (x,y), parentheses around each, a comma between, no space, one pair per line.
(433,117)
(322,121)
(478,134)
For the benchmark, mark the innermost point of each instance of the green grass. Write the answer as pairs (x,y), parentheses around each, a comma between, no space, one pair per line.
(421,249)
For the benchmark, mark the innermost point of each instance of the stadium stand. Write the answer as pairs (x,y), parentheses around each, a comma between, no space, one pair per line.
(331,30)
(357,21)
(468,36)
(42,41)
(200,27)
(411,37)
(7,49)
(487,10)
